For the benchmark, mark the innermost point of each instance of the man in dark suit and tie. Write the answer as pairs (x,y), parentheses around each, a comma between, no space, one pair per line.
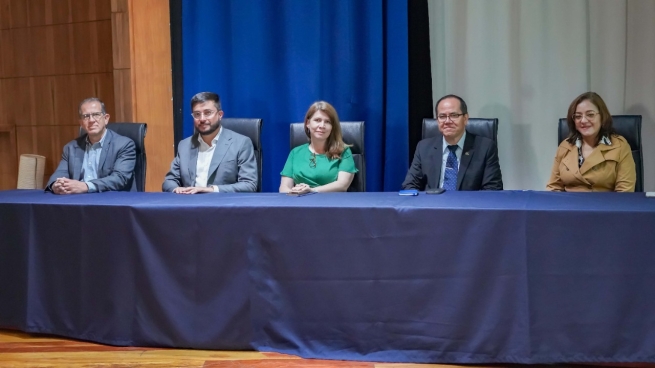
(214,159)
(98,161)
(457,160)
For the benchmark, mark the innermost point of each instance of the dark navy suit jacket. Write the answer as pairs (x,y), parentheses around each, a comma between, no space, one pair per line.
(479,168)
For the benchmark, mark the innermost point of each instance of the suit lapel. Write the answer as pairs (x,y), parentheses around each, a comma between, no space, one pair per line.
(224,142)
(78,157)
(597,156)
(570,160)
(438,147)
(106,146)
(467,154)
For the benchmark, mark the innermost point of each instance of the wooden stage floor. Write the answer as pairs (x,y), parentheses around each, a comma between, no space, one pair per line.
(18,349)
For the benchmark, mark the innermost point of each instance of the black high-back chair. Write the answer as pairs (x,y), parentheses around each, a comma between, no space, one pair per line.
(629,127)
(251,128)
(353,133)
(136,132)
(478,126)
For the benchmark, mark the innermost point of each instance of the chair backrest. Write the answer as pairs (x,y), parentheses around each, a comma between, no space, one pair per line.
(251,128)
(478,126)
(353,133)
(627,126)
(136,132)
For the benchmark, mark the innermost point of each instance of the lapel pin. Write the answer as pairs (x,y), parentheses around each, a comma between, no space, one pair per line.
(466,153)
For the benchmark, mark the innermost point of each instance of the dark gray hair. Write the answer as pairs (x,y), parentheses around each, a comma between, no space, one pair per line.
(91,99)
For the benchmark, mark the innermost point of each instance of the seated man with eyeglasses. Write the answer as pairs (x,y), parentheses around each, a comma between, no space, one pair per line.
(214,159)
(457,160)
(98,161)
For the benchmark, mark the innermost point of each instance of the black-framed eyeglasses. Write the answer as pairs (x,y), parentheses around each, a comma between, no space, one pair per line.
(95,116)
(207,113)
(312,160)
(453,116)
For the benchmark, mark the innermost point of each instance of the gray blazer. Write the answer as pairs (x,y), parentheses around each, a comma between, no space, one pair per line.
(233,167)
(115,168)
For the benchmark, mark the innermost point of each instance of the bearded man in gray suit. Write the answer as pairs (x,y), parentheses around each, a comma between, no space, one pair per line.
(214,159)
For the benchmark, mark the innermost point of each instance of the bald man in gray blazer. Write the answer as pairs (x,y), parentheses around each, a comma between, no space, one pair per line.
(214,159)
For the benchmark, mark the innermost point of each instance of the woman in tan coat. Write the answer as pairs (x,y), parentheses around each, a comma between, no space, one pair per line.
(593,158)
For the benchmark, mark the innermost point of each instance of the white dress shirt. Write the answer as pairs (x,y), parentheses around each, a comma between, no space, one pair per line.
(458,153)
(205,155)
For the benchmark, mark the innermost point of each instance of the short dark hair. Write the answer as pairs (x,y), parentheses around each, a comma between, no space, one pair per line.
(91,99)
(462,104)
(204,97)
(606,129)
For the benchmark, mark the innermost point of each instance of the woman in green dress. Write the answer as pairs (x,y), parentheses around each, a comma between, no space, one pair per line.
(325,164)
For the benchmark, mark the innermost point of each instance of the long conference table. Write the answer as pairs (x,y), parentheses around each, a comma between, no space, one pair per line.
(462,277)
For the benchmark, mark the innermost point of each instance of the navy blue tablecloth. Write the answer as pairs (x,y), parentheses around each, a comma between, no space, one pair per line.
(462,277)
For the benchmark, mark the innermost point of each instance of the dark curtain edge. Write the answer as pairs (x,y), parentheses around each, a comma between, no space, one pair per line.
(177,71)
(420,70)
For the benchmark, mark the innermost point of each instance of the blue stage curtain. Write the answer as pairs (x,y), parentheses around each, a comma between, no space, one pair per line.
(272,59)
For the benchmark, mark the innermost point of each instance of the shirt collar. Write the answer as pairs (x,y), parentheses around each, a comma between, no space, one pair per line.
(100,142)
(460,143)
(205,145)
(603,140)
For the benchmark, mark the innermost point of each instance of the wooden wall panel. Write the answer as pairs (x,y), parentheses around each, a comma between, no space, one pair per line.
(92,47)
(54,53)
(122,60)
(3,110)
(120,27)
(36,12)
(63,49)
(120,6)
(47,141)
(151,70)
(86,10)
(8,160)
(14,49)
(59,11)
(4,45)
(17,96)
(58,49)
(42,58)
(8,163)
(123,96)
(18,11)
(5,14)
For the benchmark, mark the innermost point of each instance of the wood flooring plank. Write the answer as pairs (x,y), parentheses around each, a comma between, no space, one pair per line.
(19,350)
(288,363)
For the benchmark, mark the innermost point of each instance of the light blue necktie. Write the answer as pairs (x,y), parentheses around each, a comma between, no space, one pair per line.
(450,174)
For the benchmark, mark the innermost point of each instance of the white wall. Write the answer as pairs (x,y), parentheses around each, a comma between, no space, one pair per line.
(524,61)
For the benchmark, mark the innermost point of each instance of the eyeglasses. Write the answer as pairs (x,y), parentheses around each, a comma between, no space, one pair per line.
(207,113)
(589,114)
(312,160)
(452,117)
(95,116)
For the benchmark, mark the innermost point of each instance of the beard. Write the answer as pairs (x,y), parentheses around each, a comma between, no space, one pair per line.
(212,128)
